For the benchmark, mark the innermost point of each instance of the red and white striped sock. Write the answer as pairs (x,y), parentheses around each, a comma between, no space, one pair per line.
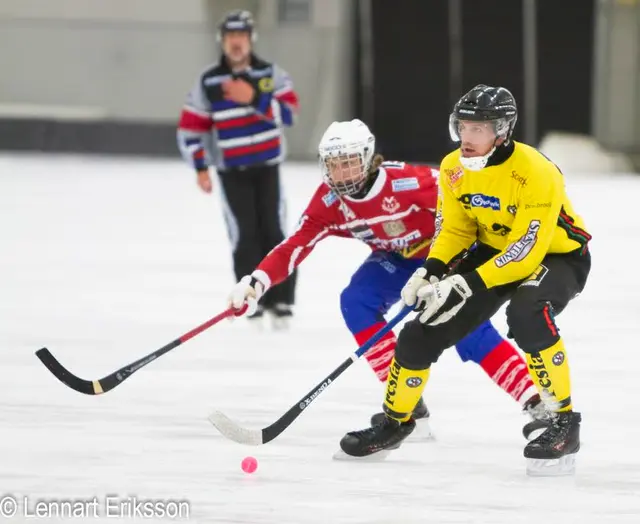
(508,369)
(381,354)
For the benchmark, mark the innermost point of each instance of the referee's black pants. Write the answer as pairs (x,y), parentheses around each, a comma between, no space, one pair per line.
(254,211)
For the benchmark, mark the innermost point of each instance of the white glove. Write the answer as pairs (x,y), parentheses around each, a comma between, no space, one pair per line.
(248,291)
(410,290)
(443,299)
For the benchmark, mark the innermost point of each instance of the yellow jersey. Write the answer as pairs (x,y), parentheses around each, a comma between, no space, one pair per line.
(519,207)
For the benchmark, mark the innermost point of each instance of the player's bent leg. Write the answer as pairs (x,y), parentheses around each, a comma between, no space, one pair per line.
(362,315)
(418,348)
(372,290)
(374,287)
(531,319)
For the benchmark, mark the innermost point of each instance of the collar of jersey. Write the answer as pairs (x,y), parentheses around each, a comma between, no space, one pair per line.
(375,190)
(501,154)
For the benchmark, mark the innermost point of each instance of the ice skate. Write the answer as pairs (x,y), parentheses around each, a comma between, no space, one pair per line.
(281,315)
(421,415)
(553,453)
(376,440)
(540,417)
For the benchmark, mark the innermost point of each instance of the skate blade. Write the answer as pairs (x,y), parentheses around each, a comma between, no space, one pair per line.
(422,433)
(380,456)
(552,467)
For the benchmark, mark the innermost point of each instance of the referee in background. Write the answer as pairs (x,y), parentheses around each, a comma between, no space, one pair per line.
(233,120)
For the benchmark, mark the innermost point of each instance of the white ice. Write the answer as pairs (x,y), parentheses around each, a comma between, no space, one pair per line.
(105,260)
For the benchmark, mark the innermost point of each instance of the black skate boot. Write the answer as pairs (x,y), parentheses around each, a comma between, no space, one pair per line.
(553,452)
(420,414)
(379,439)
(540,415)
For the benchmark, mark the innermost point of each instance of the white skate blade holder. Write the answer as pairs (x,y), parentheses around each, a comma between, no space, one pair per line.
(563,466)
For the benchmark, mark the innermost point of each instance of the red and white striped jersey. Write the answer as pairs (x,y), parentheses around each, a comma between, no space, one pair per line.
(397,214)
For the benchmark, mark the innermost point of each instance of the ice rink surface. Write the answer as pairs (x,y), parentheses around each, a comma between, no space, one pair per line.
(105,260)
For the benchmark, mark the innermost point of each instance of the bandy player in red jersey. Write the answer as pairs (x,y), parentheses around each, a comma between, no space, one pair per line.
(391,206)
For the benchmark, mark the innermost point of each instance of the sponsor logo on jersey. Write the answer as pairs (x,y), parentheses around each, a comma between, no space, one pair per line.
(500,229)
(519,178)
(396,244)
(390,204)
(521,248)
(362,232)
(329,199)
(538,205)
(405,184)
(394,228)
(438,224)
(480,200)
(454,176)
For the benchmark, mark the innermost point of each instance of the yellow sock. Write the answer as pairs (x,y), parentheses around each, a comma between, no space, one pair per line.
(549,370)
(404,389)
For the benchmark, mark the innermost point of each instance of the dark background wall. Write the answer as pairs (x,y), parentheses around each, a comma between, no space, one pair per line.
(415,85)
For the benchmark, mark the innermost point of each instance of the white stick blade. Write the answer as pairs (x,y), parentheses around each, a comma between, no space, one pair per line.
(233,431)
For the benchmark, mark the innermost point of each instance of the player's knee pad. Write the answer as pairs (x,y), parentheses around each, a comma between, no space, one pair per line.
(418,347)
(357,312)
(479,343)
(531,322)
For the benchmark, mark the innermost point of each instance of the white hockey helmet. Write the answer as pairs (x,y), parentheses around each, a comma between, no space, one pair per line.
(345,154)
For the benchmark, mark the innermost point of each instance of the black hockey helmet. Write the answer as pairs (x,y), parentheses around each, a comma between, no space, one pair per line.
(486,104)
(238,20)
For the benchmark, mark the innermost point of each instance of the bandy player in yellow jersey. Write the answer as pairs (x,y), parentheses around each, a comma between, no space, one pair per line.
(503,207)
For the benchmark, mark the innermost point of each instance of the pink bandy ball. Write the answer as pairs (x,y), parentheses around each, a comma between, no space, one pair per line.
(249,465)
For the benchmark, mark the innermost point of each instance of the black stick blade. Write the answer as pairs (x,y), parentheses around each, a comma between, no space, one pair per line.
(66,377)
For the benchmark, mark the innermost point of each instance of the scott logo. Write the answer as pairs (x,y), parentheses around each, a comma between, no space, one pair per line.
(480,200)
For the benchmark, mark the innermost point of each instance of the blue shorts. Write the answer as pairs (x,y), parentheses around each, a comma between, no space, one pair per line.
(375,287)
